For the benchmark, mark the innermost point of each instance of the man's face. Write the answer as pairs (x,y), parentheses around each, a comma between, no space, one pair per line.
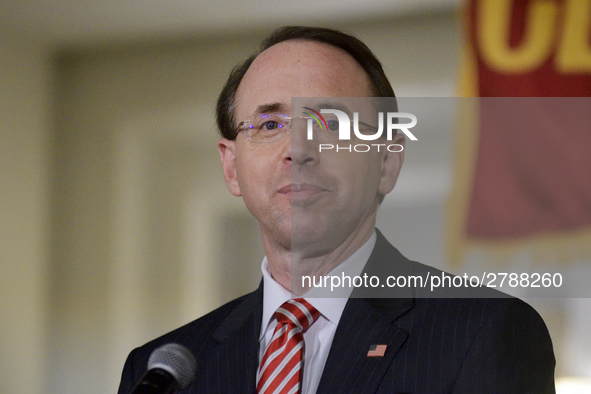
(303,198)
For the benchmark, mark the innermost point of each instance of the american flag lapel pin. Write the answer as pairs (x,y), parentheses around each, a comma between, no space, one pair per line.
(377,350)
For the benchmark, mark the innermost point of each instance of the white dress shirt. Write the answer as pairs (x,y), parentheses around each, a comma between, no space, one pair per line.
(318,338)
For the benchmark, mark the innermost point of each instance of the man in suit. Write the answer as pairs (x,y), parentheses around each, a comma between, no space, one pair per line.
(317,212)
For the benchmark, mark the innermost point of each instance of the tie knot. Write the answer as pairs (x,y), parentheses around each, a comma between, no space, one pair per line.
(298,312)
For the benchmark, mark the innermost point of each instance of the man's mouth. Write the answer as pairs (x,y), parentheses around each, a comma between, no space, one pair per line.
(301,190)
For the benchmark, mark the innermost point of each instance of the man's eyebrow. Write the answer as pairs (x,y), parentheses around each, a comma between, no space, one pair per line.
(271,107)
(334,105)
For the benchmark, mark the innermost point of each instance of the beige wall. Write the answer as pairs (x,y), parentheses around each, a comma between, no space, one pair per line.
(24,151)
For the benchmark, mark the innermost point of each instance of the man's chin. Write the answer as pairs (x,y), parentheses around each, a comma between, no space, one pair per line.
(305,232)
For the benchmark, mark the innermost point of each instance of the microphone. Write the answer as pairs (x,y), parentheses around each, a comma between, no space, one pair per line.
(171,368)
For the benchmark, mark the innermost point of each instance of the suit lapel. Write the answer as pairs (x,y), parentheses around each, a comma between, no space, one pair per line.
(348,369)
(235,357)
(369,319)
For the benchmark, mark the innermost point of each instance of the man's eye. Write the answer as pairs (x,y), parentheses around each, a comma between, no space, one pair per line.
(333,125)
(270,125)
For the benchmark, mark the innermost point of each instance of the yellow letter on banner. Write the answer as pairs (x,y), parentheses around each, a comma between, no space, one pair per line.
(574,53)
(494,17)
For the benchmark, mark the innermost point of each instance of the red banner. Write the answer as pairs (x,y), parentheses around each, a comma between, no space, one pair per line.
(526,168)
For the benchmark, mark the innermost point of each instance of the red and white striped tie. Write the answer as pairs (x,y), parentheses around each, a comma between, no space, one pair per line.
(281,366)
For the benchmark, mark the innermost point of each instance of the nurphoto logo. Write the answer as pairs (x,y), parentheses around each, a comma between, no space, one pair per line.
(325,124)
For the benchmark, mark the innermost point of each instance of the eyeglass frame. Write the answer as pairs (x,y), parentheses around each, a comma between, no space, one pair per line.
(282,133)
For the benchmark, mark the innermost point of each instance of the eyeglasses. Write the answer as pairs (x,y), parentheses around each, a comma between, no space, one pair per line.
(272,127)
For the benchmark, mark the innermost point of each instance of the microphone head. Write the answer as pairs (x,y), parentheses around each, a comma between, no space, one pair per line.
(177,360)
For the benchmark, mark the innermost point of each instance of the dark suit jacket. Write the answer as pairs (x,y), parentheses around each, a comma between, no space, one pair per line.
(435,345)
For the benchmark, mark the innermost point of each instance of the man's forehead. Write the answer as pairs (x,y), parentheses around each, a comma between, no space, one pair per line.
(296,46)
(348,105)
(298,68)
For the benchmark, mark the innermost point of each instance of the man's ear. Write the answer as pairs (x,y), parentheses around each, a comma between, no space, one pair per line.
(391,165)
(227,150)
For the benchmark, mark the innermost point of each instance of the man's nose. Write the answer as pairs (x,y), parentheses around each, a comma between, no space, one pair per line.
(303,151)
